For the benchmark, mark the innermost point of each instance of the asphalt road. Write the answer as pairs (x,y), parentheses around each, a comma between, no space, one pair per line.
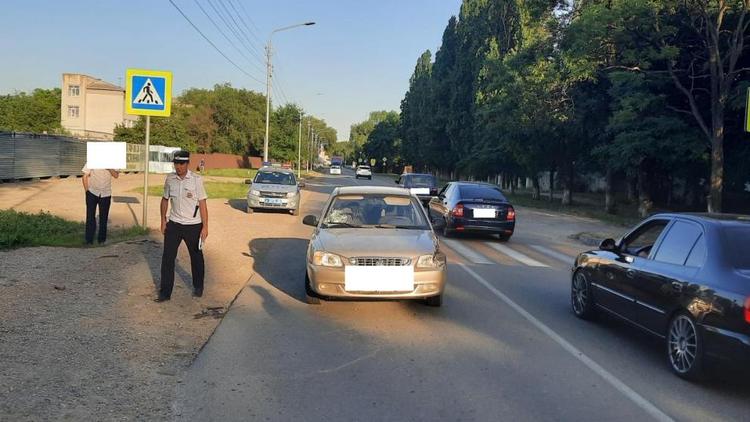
(504,346)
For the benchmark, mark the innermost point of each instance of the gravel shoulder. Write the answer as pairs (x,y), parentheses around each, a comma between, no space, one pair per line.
(80,338)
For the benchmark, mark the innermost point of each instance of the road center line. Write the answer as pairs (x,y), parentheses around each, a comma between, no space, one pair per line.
(615,382)
(518,256)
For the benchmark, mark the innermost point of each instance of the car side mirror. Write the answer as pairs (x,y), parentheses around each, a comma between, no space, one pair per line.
(608,245)
(310,220)
(248,181)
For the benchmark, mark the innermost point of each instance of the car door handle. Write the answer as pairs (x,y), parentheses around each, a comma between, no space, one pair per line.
(631,273)
(677,286)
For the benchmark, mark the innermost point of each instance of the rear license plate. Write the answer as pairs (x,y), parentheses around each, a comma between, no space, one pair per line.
(484,213)
(420,191)
(378,279)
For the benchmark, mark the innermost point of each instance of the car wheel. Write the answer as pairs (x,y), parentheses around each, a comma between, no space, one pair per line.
(250,209)
(434,301)
(503,237)
(369,178)
(685,347)
(446,231)
(311,297)
(581,299)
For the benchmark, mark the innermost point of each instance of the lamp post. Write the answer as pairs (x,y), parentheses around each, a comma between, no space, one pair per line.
(299,147)
(269,70)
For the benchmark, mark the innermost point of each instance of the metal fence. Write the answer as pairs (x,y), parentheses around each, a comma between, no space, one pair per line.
(28,156)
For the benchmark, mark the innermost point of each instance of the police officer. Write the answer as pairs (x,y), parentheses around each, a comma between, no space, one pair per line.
(188,221)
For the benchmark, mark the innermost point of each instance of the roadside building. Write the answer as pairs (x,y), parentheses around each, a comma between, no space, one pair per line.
(91,107)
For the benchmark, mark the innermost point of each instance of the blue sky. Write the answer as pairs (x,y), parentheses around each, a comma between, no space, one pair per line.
(357,58)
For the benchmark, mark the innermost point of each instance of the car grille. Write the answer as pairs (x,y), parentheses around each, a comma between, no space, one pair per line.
(273,194)
(371,261)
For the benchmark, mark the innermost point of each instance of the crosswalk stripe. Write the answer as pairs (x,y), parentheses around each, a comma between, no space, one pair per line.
(467,253)
(518,256)
(552,253)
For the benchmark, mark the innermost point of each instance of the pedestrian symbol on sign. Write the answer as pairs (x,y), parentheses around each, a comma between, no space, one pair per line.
(148,95)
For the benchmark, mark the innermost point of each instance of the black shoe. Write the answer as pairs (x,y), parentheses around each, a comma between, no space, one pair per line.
(197,293)
(161,299)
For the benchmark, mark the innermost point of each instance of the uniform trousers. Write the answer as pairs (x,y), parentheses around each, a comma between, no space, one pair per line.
(92,201)
(174,234)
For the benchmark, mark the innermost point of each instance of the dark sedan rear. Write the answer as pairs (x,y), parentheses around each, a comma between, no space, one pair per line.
(473,207)
(424,186)
(682,277)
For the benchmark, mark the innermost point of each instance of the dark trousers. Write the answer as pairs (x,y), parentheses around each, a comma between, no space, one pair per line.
(91,203)
(173,235)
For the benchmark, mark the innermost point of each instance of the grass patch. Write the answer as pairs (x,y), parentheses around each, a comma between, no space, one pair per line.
(20,229)
(246,173)
(214,190)
(625,216)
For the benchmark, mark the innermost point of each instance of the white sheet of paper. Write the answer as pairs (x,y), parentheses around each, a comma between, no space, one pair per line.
(106,155)
(378,279)
(420,191)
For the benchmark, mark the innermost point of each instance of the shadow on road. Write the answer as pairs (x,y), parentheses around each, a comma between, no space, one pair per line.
(238,204)
(281,262)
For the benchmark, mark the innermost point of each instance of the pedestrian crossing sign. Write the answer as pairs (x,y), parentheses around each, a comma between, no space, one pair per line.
(148,92)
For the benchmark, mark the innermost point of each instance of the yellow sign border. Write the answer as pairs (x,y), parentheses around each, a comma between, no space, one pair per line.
(167,75)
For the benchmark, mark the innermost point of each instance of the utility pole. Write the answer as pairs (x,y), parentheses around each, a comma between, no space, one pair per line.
(299,147)
(269,69)
(309,127)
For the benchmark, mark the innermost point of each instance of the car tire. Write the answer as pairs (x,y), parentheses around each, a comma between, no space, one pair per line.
(250,210)
(369,178)
(684,347)
(434,301)
(446,231)
(311,297)
(503,237)
(581,299)
(294,212)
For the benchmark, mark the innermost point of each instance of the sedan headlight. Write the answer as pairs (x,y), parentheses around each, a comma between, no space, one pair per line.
(255,192)
(290,194)
(326,259)
(431,261)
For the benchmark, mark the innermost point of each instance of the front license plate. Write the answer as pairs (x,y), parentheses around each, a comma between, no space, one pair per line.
(484,213)
(274,201)
(420,191)
(378,279)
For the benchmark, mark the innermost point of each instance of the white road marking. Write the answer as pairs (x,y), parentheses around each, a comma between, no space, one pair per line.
(615,382)
(553,253)
(518,256)
(467,253)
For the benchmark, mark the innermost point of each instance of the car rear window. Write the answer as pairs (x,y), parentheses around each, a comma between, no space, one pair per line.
(737,244)
(420,181)
(480,192)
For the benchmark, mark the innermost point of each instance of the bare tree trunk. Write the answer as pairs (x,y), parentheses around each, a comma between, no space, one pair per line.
(551,185)
(537,189)
(717,168)
(512,180)
(567,196)
(644,198)
(609,194)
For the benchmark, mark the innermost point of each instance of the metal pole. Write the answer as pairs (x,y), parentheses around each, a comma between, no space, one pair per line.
(268,99)
(309,126)
(299,147)
(145,173)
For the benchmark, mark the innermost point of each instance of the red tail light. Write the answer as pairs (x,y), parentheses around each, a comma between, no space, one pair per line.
(747,310)
(458,211)
(511,214)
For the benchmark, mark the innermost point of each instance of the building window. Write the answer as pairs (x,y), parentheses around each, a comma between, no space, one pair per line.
(73,111)
(74,90)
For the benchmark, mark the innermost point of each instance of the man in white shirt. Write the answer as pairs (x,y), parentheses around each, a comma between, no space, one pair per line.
(187,221)
(98,186)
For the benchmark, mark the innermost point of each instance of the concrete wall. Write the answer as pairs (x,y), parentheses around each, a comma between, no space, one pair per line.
(224,161)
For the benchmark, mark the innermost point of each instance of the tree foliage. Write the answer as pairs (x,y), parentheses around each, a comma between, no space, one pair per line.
(36,112)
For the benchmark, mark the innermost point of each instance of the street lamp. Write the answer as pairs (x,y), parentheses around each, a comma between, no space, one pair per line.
(268,82)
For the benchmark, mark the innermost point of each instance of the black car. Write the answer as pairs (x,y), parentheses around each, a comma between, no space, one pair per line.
(473,207)
(422,185)
(682,277)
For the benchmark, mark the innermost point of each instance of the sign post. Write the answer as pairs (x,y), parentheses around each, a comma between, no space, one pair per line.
(148,93)
(747,112)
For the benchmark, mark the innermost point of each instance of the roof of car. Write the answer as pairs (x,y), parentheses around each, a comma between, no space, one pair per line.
(276,169)
(715,218)
(349,190)
(417,174)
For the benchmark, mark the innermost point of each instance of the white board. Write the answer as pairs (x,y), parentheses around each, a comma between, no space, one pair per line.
(378,278)
(106,155)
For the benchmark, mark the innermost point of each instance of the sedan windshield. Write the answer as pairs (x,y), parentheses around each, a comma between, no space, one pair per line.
(737,243)
(375,210)
(274,178)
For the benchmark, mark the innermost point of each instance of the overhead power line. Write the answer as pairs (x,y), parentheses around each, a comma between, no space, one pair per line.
(231,3)
(214,45)
(242,6)
(250,48)
(227,38)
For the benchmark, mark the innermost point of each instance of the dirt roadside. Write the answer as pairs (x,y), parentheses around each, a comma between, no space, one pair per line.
(80,338)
